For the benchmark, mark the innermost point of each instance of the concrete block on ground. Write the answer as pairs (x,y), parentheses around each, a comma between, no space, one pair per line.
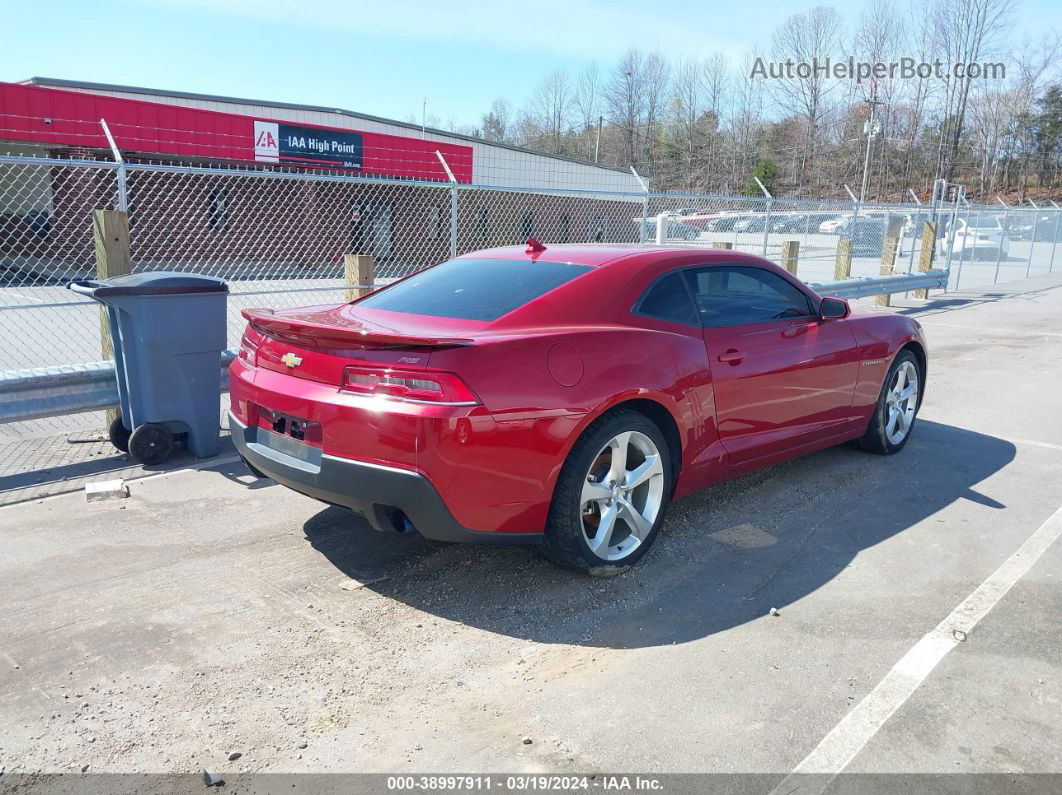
(106,490)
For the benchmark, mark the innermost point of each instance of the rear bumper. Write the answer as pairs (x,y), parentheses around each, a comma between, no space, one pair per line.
(382,494)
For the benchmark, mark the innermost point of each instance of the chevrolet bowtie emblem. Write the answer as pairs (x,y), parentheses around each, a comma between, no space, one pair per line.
(291,360)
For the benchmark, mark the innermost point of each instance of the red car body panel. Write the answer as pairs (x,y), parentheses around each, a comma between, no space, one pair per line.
(545,371)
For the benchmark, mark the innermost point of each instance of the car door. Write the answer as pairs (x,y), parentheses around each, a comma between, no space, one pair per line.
(783,378)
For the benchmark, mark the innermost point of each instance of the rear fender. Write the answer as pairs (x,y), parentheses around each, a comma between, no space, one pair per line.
(533,415)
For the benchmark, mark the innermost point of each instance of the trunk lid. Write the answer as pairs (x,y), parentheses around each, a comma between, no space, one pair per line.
(317,343)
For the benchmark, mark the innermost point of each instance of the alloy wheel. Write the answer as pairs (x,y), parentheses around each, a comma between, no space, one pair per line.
(901,401)
(622,495)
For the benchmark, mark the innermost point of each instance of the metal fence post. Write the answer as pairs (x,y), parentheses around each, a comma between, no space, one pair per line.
(1054,242)
(951,231)
(965,245)
(643,231)
(122,176)
(1032,240)
(453,220)
(916,216)
(999,254)
(767,217)
(453,203)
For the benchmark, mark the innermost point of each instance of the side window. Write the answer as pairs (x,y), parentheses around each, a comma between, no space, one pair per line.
(742,295)
(668,299)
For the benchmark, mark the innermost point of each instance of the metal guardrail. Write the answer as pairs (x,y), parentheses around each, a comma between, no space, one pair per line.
(861,287)
(55,391)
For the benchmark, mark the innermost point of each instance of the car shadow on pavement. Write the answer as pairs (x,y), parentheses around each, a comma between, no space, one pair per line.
(726,555)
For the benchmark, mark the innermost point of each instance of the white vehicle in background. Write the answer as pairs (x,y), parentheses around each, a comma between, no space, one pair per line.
(975,238)
(831,225)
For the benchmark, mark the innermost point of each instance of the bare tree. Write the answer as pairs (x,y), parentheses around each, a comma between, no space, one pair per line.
(879,36)
(587,101)
(687,106)
(657,74)
(698,124)
(625,99)
(497,122)
(967,31)
(804,39)
(745,122)
(715,76)
(919,42)
(990,116)
(1034,63)
(551,108)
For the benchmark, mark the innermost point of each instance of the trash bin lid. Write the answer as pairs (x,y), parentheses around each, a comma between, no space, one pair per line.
(152,283)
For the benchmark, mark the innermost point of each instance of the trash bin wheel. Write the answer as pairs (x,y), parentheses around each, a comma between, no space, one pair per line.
(119,434)
(150,444)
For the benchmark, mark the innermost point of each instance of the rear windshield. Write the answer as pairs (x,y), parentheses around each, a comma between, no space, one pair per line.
(473,289)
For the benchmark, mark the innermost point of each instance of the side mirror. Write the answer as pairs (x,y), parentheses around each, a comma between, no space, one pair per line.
(833,309)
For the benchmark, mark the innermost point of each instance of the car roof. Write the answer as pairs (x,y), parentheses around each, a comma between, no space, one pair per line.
(593,254)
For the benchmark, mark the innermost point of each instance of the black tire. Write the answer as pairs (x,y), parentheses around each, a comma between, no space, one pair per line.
(876,439)
(564,542)
(119,434)
(150,444)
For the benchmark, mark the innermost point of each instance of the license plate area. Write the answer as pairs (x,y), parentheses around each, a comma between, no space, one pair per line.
(281,424)
(293,436)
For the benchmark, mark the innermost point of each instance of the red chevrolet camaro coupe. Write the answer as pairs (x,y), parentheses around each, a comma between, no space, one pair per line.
(564,394)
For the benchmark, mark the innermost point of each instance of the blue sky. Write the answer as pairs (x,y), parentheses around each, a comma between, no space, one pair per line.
(379,58)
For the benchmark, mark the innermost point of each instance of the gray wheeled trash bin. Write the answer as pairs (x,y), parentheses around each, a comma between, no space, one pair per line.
(168,331)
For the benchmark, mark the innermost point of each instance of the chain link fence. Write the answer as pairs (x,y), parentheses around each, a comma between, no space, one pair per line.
(279,237)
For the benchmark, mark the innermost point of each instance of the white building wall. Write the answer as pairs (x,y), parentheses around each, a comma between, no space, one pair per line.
(491,164)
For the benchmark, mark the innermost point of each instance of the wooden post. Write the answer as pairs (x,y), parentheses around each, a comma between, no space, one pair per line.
(110,230)
(925,259)
(723,244)
(888,256)
(842,269)
(358,269)
(790,255)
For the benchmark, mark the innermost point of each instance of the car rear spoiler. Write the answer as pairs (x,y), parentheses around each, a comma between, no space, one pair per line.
(309,334)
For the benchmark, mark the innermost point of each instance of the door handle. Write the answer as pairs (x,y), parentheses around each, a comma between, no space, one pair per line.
(732,356)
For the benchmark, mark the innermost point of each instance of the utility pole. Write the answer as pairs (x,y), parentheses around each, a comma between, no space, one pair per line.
(597,146)
(423,115)
(870,129)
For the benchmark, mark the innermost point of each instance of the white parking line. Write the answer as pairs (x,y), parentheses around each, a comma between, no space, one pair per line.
(1046,445)
(838,748)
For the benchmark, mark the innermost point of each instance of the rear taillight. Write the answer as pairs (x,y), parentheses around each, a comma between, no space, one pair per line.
(249,352)
(411,385)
